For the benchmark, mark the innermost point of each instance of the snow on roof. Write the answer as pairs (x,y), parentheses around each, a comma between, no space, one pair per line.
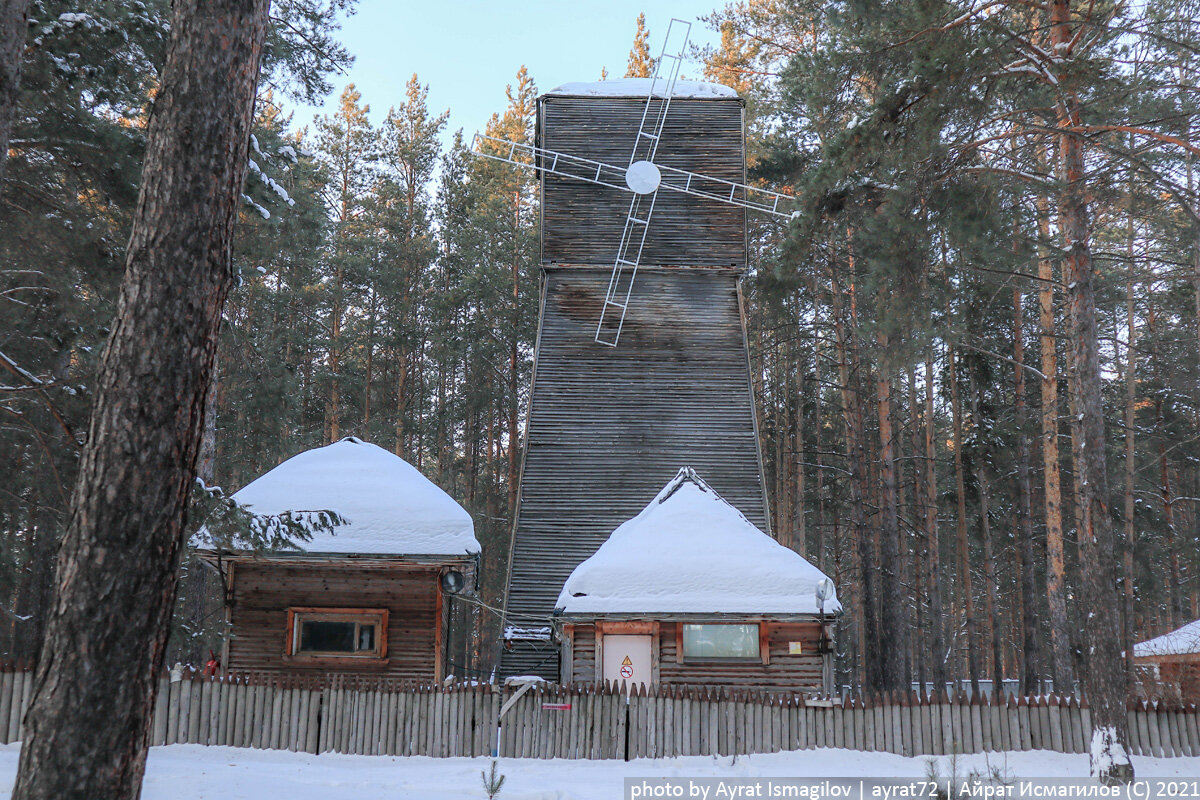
(1178,642)
(640,87)
(388,506)
(690,551)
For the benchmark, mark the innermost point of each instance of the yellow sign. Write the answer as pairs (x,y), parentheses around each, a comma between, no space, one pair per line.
(626,662)
(795,648)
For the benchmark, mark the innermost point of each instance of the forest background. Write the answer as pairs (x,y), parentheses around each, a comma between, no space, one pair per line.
(909,338)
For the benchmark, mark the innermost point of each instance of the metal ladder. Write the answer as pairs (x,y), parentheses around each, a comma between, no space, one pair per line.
(641,207)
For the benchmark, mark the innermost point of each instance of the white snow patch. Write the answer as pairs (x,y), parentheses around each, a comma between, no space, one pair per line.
(640,87)
(528,634)
(690,551)
(517,680)
(196,772)
(1106,752)
(261,211)
(1177,642)
(389,507)
(72,19)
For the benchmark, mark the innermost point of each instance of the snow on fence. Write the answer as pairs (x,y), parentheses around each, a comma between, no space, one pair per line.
(381,717)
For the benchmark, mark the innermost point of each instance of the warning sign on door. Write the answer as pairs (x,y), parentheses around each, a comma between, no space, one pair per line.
(626,668)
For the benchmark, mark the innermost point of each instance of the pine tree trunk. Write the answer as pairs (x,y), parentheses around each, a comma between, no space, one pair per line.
(1031,642)
(1105,678)
(401,401)
(989,576)
(334,412)
(964,556)
(1174,595)
(893,625)
(1130,467)
(800,529)
(14,24)
(514,377)
(87,728)
(1056,590)
(856,458)
(933,561)
(369,373)
(818,443)
(919,543)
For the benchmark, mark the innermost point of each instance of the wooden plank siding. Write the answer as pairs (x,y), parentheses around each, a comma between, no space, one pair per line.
(785,672)
(263,592)
(608,427)
(582,223)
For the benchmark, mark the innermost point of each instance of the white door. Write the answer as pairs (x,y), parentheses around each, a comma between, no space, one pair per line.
(627,658)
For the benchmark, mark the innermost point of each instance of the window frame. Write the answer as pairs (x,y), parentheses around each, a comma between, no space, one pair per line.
(297,615)
(758,657)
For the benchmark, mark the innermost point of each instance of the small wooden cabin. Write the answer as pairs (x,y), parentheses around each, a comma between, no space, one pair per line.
(368,597)
(1171,662)
(690,592)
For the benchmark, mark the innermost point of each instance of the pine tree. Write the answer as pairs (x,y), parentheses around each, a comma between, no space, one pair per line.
(87,728)
(641,64)
(347,147)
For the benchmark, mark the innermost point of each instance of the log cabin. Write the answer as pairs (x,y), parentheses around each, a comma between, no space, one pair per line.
(677,388)
(689,591)
(1171,663)
(371,596)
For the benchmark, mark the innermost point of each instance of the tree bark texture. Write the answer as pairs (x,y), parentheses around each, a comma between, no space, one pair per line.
(893,627)
(852,412)
(989,575)
(1130,469)
(87,728)
(933,544)
(14,22)
(1104,679)
(1031,644)
(1056,591)
(964,555)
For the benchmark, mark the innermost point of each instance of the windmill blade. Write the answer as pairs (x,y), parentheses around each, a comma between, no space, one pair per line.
(643,178)
(564,165)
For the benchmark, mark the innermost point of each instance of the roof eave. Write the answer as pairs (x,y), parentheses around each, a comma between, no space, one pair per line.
(698,616)
(424,559)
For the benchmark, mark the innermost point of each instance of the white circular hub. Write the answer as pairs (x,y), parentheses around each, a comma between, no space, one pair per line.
(643,177)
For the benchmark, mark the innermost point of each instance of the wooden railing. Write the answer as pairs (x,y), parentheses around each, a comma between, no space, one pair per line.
(380,717)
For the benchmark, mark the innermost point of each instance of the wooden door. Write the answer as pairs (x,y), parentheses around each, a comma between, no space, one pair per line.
(627,658)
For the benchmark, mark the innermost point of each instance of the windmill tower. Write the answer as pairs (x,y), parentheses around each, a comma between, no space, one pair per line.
(641,364)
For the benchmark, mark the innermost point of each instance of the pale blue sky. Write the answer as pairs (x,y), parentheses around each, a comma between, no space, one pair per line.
(467,51)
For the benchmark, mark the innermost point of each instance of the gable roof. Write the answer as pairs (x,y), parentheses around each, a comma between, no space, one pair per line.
(689,551)
(388,506)
(1180,641)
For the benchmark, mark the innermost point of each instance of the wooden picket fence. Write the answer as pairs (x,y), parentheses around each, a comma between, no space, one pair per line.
(380,717)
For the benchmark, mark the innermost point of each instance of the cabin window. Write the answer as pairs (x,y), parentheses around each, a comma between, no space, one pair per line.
(713,642)
(337,632)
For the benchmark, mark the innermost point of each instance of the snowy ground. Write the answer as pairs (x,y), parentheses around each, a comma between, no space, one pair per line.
(195,772)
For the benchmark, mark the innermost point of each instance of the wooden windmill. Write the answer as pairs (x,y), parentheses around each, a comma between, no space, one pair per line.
(641,364)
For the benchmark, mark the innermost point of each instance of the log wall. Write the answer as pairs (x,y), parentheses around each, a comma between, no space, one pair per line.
(784,671)
(262,593)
